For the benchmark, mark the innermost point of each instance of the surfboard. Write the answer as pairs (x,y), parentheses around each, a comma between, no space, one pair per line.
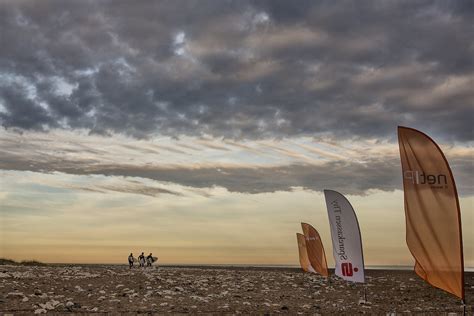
(154,259)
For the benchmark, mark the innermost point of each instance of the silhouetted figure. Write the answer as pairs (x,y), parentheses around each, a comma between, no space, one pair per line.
(149,260)
(130,260)
(141,260)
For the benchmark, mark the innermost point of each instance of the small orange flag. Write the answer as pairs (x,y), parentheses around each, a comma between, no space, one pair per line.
(433,219)
(304,261)
(315,249)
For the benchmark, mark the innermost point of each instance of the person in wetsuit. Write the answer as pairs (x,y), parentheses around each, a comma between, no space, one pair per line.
(130,260)
(149,260)
(141,260)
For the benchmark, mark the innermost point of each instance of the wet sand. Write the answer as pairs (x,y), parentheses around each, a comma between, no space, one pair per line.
(209,290)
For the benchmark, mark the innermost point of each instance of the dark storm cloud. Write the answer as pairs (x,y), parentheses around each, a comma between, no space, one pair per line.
(238,68)
(21,108)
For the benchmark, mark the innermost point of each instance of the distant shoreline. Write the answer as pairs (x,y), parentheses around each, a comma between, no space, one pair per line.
(229,266)
(4,261)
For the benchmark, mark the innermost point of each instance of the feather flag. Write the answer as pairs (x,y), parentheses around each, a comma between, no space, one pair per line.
(303,254)
(315,249)
(346,239)
(433,219)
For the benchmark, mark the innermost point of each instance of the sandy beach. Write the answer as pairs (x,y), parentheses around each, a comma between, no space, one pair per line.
(225,290)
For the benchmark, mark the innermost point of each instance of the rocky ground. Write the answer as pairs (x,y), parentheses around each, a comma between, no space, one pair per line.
(183,290)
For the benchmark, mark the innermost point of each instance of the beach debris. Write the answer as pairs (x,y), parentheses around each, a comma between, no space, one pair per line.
(49,305)
(40,311)
(4,275)
(16,294)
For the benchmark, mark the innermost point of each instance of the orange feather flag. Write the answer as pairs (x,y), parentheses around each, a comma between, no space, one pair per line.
(433,219)
(315,249)
(304,261)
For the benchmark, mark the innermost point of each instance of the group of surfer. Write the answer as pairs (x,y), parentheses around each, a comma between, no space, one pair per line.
(141,260)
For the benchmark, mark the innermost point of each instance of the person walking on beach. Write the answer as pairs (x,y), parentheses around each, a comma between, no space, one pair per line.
(149,260)
(130,260)
(141,260)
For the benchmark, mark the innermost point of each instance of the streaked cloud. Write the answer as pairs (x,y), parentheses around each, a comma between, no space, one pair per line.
(354,167)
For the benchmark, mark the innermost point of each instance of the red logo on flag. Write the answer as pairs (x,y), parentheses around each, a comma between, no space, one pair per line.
(347,269)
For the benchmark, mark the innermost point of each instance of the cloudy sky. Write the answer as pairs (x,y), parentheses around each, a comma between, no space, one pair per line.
(205,131)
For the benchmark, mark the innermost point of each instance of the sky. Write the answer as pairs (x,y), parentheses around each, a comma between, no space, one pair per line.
(205,131)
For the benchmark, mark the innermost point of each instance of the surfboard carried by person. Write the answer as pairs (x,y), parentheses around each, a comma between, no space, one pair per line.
(150,260)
